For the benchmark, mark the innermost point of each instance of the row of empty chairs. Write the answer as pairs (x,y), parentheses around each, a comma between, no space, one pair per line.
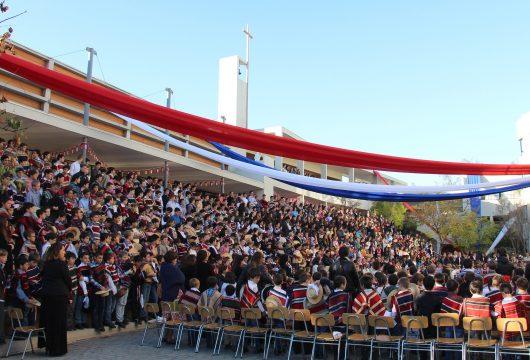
(374,333)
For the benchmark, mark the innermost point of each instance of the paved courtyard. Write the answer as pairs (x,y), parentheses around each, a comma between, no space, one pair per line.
(126,346)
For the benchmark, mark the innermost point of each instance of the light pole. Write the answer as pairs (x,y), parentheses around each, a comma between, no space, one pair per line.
(248,36)
(86,106)
(166,143)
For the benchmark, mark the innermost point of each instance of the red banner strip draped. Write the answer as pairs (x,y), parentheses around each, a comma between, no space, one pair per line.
(193,125)
(411,209)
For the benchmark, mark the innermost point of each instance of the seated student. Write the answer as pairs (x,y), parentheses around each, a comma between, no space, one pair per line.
(492,266)
(402,302)
(439,285)
(509,306)
(34,275)
(230,301)
(230,279)
(20,287)
(250,296)
(390,291)
(477,304)
(428,303)
(522,295)
(277,292)
(368,301)
(452,304)
(339,299)
(315,302)
(297,292)
(492,292)
(191,296)
(211,297)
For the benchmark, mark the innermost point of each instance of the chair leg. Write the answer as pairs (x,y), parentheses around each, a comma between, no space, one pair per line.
(290,347)
(239,342)
(243,344)
(268,344)
(10,343)
(161,335)
(372,349)
(26,346)
(199,336)
(338,351)
(31,342)
(264,348)
(220,342)
(216,340)
(314,346)
(145,332)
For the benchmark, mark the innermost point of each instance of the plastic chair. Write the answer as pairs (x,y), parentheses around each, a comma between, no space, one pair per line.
(482,346)
(280,314)
(22,332)
(325,337)
(442,321)
(418,323)
(356,339)
(509,347)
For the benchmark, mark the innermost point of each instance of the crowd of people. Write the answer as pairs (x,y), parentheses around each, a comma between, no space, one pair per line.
(127,240)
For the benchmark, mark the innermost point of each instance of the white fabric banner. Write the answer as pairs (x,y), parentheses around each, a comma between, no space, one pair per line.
(331,184)
(499,237)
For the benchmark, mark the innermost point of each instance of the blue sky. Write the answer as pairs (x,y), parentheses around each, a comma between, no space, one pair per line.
(433,80)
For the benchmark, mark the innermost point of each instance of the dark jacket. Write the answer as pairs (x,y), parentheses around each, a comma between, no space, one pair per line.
(204,271)
(172,280)
(504,267)
(55,278)
(428,303)
(346,268)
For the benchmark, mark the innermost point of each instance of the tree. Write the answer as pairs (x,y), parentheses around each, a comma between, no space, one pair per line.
(392,211)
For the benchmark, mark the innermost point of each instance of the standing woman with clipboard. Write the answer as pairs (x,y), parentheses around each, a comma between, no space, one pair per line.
(56,286)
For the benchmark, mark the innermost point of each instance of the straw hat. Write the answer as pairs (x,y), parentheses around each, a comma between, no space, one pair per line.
(314,293)
(76,231)
(272,302)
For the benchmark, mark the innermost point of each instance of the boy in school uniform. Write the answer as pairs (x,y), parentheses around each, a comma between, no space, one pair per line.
(509,307)
(477,304)
(230,301)
(402,303)
(99,282)
(192,296)
(339,299)
(81,298)
(72,270)
(279,294)
(211,297)
(522,295)
(368,301)
(250,297)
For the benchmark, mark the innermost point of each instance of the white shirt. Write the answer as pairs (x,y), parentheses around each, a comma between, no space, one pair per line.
(75,168)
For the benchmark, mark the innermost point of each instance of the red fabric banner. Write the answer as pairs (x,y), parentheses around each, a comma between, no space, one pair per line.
(203,128)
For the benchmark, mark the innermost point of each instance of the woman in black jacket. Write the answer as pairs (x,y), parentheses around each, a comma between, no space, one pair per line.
(56,286)
(204,269)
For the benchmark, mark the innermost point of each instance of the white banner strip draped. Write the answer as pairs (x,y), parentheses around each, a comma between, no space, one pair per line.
(499,237)
(331,184)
